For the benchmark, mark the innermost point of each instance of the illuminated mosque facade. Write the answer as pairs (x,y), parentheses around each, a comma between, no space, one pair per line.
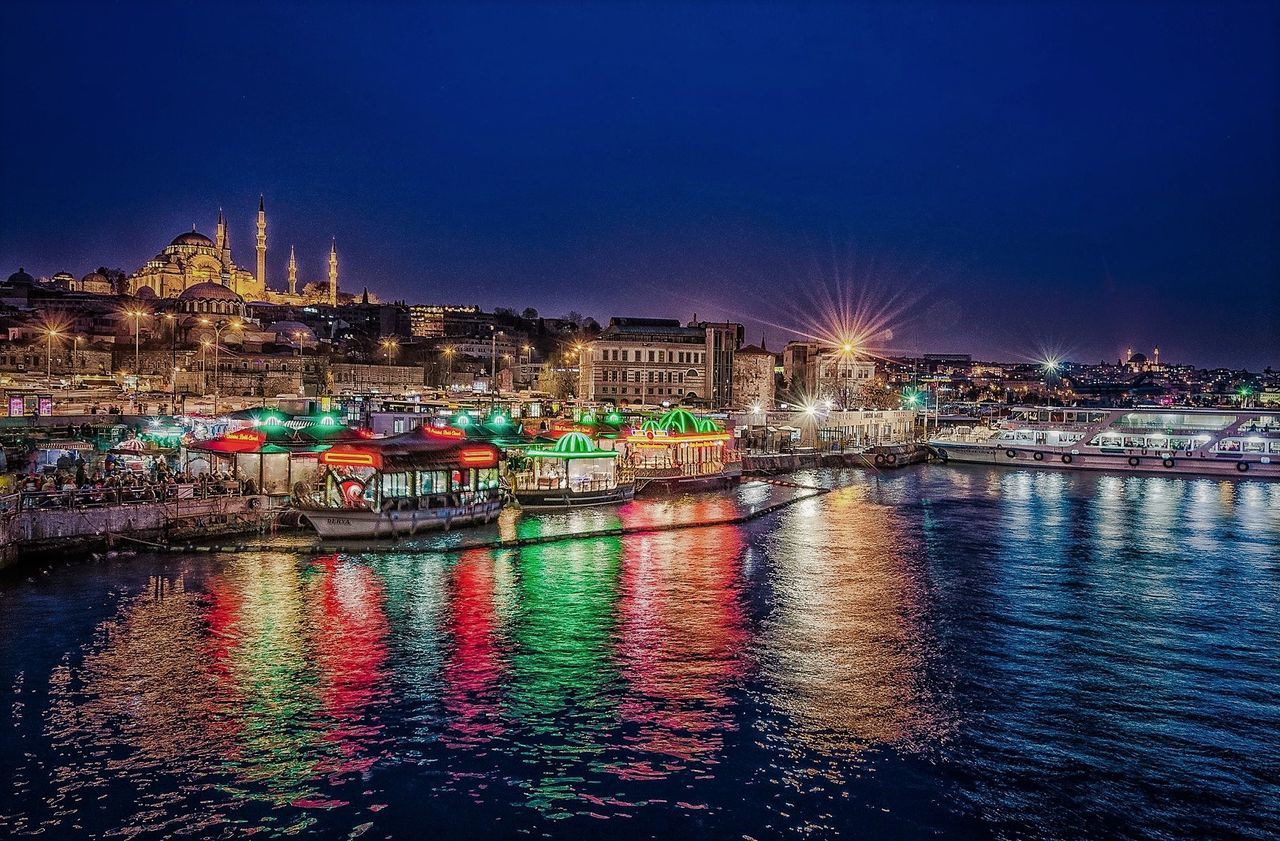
(192,262)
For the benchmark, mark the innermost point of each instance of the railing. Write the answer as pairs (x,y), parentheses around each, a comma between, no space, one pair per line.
(105,497)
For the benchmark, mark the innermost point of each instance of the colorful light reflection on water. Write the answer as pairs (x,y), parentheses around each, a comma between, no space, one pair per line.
(965,652)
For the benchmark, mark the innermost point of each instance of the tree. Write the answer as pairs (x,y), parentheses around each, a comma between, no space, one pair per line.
(529,314)
(560,383)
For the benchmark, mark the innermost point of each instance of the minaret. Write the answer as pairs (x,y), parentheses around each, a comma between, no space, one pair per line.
(333,274)
(293,272)
(220,239)
(262,243)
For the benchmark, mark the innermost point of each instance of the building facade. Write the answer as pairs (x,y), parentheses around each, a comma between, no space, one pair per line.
(647,360)
(753,377)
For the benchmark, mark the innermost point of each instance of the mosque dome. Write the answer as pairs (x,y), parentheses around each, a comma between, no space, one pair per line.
(209,291)
(1138,358)
(192,238)
(146,293)
(93,277)
(289,329)
(21,276)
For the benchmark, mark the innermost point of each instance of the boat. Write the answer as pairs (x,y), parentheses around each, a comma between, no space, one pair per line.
(1149,439)
(430,478)
(572,473)
(679,451)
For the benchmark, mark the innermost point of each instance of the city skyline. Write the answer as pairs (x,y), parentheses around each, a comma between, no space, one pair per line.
(1115,186)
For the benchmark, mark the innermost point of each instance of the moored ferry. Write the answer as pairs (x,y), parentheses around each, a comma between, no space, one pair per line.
(680,450)
(1169,440)
(430,478)
(572,473)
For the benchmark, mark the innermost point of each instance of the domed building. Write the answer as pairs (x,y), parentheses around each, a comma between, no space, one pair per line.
(192,259)
(96,284)
(292,333)
(212,299)
(21,278)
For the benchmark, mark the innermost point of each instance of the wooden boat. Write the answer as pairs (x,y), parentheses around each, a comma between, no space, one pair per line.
(430,478)
(571,474)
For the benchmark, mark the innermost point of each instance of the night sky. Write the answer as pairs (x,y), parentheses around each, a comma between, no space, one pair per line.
(1003,179)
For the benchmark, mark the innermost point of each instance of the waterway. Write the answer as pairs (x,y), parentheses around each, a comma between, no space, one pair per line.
(942,651)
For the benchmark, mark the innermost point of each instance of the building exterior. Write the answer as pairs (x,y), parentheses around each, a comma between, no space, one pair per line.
(842,376)
(723,340)
(818,372)
(800,368)
(437,321)
(191,258)
(753,377)
(358,378)
(648,360)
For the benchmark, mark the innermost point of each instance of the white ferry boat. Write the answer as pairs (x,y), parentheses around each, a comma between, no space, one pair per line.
(1149,439)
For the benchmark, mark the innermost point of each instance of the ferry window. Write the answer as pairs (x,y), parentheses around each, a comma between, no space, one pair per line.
(1134,441)
(1055,417)
(1158,443)
(1229,445)
(1275,446)
(1255,447)
(395,484)
(1178,443)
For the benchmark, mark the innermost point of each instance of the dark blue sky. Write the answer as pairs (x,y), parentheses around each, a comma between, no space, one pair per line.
(1005,179)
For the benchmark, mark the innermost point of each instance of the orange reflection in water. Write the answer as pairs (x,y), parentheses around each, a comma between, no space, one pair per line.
(681,636)
(846,648)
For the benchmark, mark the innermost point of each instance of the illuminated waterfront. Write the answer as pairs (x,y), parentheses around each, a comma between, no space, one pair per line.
(965,651)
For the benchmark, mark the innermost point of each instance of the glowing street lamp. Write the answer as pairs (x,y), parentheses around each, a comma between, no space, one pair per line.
(137,315)
(218,327)
(390,346)
(50,333)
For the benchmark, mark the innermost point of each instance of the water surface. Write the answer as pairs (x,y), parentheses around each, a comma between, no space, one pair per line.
(942,651)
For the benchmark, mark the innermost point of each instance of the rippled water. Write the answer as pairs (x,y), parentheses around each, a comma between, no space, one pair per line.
(944,651)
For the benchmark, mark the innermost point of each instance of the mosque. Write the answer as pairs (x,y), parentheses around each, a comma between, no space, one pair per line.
(194,266)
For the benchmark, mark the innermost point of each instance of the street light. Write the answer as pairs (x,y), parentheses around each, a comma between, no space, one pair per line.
(218,327)
(137,315)
(448,357)
(390,346)
(50,334)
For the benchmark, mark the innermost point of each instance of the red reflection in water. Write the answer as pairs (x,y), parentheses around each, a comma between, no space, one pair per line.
(474,668)
(682,634)
(348,637)
(648,513)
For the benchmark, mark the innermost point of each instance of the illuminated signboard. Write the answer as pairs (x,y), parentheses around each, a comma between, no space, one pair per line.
(444,432)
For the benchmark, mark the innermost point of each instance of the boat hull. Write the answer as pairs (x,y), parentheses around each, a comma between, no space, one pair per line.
(550,499)
(659,484)
(1136,461)
(334,523)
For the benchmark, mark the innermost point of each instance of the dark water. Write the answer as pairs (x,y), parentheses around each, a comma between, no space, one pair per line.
(945,651)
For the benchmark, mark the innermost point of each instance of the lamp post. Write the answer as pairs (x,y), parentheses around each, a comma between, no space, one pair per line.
(137,314)
(75,358)
(448,358)
(50,334)
(218,327)
(173,359)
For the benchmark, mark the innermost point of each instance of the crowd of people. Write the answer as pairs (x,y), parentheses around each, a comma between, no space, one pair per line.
(74,483)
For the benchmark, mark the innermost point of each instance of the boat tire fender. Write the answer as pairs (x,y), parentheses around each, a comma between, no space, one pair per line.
(1134,461)
(1038,456)
(1011,453)
(879,459)
(1242,466)
(1167,462)
(1066,458)
(891,459)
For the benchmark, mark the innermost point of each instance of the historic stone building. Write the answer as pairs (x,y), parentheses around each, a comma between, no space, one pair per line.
(753,377)
(192,259)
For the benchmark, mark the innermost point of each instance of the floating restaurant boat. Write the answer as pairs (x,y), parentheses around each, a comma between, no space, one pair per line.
(679,450)
(430,478)
(572,473)
(1173,441)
